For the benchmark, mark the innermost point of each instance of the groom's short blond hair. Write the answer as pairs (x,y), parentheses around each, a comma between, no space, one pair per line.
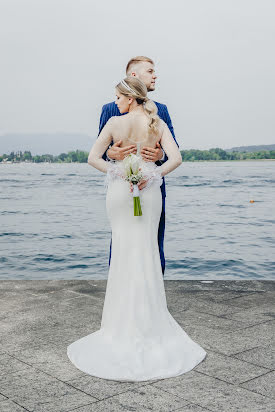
(136,60)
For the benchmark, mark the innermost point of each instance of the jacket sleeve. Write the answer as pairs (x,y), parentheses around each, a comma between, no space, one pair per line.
(104,117)
(168,121)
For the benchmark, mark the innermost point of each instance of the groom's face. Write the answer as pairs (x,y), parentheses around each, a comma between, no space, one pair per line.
(145,72)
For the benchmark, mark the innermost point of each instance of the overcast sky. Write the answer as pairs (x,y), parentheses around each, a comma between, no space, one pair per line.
(215,62)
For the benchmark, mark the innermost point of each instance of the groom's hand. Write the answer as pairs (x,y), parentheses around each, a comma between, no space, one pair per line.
(150,154)
(118,153)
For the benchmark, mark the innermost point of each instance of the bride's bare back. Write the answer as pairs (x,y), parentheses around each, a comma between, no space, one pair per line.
(130,129)
(133,129)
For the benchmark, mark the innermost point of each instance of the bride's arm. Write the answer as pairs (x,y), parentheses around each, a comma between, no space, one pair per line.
(100,146)
(172,151)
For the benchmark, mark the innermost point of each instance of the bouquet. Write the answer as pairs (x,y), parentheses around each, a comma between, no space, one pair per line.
(133,174)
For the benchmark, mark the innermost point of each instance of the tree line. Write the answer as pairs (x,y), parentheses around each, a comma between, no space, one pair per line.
(79,156)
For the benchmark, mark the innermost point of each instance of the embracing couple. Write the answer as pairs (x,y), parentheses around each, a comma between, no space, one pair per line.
(138,339)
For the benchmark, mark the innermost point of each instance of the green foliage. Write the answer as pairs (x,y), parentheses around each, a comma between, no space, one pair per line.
(192,155)
(220,154)
(73,156)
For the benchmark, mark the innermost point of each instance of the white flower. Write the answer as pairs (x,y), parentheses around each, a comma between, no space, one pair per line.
(127,165)
(131,164)
(134,163)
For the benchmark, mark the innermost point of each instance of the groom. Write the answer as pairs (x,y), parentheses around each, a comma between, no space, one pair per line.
(143,68)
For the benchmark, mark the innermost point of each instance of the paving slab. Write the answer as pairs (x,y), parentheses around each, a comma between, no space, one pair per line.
(192,408)
(261,356)
(214,394)
(191,317)
(50,359)
(253,315)
(234,342)
(233,320)
(3,398)
(37,391)
(10,406)
(228,369)
(142,399)
(265,384)
(104,388)
(263,299)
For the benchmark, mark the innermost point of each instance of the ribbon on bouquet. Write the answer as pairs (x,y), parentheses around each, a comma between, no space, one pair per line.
(135,191)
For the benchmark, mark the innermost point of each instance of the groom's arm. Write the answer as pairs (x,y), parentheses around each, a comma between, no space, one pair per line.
(104,117)
(168,121)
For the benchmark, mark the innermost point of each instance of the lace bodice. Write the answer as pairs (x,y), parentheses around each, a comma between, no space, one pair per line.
(151,172)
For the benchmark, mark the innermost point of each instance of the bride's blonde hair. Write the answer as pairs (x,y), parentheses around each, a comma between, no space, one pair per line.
(133,87)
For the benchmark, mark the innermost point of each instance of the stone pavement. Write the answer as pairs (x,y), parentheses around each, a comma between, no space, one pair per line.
(232,320)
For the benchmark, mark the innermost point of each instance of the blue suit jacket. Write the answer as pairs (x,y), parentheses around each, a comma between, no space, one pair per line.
(110,109)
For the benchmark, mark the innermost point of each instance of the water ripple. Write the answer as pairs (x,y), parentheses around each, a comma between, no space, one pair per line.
(54,222)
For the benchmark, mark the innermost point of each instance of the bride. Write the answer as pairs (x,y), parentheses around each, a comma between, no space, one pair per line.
(138,339)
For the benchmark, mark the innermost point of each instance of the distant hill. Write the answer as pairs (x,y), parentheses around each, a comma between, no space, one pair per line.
(56,143)
(42,143)
(252,148)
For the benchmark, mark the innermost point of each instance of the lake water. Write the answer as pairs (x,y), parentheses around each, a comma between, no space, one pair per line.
(53,221)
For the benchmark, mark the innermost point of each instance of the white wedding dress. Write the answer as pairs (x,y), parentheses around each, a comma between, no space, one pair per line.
(138,339)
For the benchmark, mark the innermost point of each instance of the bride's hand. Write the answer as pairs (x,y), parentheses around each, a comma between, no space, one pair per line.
(140,184)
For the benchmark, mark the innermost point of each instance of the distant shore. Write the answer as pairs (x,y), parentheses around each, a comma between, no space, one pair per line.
(184,161)
(79,156)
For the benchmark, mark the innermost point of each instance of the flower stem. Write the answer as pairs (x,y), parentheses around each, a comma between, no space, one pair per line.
(137,207)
